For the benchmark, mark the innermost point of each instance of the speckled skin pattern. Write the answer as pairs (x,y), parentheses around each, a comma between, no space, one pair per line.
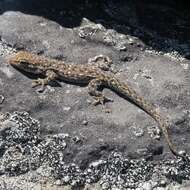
(93,75)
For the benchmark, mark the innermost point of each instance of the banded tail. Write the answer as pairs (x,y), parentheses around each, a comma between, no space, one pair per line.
(128,93)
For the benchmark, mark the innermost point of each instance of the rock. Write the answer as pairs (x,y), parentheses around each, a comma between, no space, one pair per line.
(159,73)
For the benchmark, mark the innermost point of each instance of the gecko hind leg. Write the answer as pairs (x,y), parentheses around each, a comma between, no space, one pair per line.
(93,90)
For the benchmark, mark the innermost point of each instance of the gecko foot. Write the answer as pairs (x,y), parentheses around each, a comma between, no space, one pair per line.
(39,82)
(101,100)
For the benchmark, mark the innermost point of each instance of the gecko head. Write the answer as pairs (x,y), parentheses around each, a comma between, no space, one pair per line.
(25,61)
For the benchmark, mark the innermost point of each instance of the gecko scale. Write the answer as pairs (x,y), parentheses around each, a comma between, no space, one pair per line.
(94,75)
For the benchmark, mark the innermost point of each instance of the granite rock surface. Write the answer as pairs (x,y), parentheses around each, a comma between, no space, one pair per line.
(56,136)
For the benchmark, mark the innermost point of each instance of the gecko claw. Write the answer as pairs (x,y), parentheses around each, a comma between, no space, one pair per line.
(101,100)
(39,82)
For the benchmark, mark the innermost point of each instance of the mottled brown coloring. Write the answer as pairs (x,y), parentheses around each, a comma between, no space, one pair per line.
(94,75)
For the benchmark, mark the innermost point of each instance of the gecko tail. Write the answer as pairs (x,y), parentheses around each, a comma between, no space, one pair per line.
(128,93)
(163,125)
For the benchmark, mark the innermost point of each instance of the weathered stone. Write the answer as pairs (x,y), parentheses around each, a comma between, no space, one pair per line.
(159,73)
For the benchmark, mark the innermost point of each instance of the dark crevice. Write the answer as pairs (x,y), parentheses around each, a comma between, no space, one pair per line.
(153,22)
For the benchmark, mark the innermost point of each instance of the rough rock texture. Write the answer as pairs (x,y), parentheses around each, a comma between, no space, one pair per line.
(64,140)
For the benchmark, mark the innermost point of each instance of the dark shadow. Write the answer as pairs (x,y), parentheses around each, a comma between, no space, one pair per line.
(36,76)
(54,83)
(161,25)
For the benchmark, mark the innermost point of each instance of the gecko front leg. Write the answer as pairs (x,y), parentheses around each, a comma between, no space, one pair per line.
(50,76)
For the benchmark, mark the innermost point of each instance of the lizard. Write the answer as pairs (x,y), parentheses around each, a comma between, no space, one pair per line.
(94,76)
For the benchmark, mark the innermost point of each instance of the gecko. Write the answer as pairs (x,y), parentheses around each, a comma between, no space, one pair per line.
(93,75)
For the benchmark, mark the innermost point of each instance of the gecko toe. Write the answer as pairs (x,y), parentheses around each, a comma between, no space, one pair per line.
(36,82)
(101,100)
